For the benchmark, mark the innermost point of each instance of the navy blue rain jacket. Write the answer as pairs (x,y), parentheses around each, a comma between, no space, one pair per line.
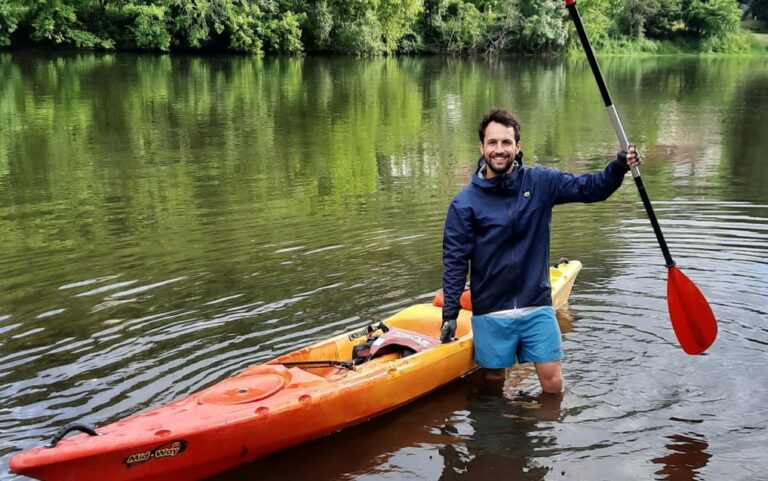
(501,227)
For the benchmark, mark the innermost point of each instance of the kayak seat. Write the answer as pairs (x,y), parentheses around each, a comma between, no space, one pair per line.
(392,344)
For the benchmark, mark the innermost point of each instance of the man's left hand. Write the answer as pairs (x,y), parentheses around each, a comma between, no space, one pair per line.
(629,157)
(448,330)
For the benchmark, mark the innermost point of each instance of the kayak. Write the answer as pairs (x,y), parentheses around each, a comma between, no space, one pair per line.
(303,395)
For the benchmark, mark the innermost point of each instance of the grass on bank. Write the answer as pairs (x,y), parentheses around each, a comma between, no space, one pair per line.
(746,43)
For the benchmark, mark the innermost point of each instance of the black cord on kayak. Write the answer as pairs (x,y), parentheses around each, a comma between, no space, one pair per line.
(67,429)
(329,363)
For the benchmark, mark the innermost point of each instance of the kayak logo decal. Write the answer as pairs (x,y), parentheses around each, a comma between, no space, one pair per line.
(167,450)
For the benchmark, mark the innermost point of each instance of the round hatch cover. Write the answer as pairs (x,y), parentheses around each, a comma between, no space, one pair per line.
(243,389)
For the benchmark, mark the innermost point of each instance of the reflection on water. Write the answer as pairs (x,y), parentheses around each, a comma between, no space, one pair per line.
(688,454)
(507,435)
(168,220)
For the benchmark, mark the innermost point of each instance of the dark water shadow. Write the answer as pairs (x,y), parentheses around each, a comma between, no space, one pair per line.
(688,455)
(510,433)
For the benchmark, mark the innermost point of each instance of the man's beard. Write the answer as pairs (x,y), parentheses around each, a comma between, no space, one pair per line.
(500,170)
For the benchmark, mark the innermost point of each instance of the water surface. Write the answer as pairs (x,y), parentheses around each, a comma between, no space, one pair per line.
(168,220)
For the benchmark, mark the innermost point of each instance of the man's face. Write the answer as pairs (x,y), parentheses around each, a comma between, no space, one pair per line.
(499,148)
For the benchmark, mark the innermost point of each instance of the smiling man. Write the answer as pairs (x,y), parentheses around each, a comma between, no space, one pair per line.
(498,228)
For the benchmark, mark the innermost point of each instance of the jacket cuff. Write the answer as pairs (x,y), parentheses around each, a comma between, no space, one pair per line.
(623,167)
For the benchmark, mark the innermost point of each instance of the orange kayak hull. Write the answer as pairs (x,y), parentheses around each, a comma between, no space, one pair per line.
(267,407)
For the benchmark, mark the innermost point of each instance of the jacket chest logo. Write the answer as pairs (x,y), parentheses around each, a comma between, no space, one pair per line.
(527,194)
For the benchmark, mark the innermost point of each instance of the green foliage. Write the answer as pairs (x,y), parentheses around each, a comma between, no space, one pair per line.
(11,13)
(150,29)
(730,42)
(461,27)
(57,21)
(319,24)
(367,27)
(283,34)
(243,22)
(543,25)
(195,21)
(600,25)
(359,35)
(633,16)
(397,18)
(713,18)
(378,27)
(666,19)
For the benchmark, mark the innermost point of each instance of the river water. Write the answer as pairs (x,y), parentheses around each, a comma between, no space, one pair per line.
(166,221)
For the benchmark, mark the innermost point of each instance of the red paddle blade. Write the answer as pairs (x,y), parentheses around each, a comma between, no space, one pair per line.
(692,318)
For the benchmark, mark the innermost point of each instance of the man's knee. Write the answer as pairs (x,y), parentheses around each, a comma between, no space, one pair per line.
(550,377)
(552,384)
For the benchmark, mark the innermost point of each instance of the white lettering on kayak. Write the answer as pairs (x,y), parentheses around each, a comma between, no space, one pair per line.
(168,450)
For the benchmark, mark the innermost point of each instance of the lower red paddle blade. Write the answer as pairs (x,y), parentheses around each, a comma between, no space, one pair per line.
(692,318)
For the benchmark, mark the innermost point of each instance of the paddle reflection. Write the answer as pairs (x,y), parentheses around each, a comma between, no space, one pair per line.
(688,455)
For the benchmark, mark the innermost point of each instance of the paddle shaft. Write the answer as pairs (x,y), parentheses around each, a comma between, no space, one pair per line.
(618,127)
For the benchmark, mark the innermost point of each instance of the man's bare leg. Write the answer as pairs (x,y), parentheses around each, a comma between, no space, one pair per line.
(550,376)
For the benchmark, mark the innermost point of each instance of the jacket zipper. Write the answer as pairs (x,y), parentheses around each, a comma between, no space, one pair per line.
(514,257)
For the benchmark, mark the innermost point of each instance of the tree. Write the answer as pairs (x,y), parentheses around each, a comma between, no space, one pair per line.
(543,26)
(11,13)
(634,14)
(665,20)
(61,22)
(149,28)
(713,18)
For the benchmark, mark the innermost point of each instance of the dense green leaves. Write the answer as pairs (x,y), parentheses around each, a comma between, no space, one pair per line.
(711,18)
(149,29)
(11,12)
(371,27)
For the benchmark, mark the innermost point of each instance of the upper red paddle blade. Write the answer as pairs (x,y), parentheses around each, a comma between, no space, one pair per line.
(692,318)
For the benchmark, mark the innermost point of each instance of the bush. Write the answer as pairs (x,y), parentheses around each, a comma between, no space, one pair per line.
(361,36)
(283,34)
(149,27)
(731,42)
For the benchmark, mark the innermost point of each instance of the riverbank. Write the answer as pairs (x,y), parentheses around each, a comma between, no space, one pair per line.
(407,27)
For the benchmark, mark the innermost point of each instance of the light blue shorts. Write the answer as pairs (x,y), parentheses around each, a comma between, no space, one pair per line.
(500,341)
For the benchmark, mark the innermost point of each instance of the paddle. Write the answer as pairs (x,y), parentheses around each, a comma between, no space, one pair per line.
(692,318)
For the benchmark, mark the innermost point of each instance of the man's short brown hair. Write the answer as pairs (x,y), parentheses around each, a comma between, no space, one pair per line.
(502,117)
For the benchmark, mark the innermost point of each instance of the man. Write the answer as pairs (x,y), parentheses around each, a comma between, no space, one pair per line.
(499,225)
